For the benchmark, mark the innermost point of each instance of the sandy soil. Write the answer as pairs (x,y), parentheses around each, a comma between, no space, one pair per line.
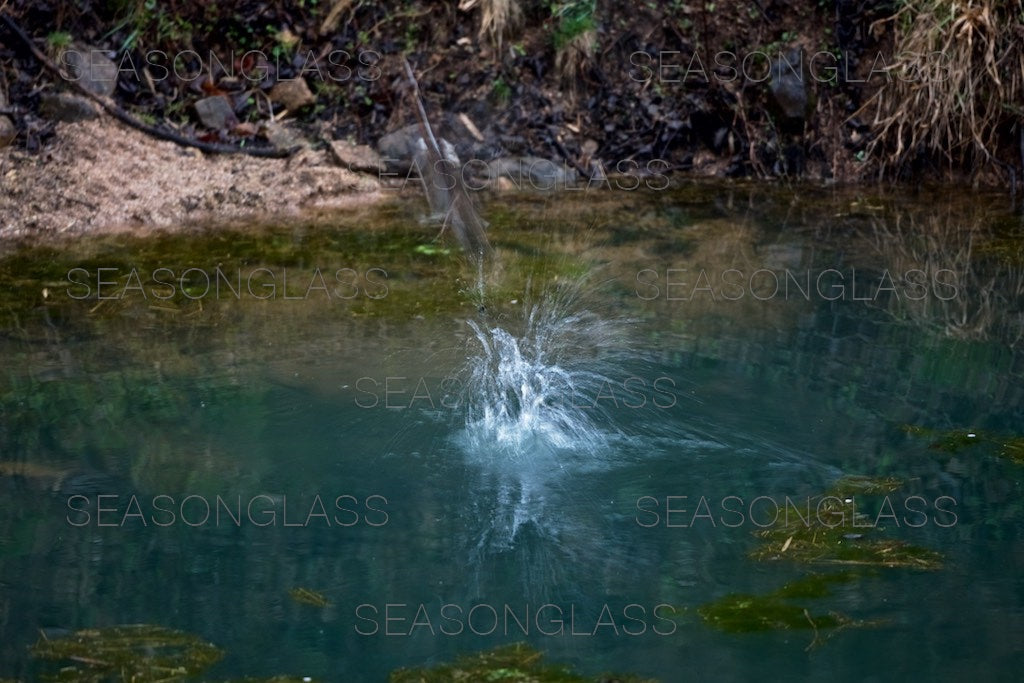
(102,176)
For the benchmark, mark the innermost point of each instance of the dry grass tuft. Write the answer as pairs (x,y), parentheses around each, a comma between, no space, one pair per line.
(955,89)
(575,39)
(499,19)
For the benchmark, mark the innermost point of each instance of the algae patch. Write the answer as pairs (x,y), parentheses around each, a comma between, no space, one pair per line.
(835,531)
(136,652)
(306,596)
(1010,447)
(777,611)
(517,663)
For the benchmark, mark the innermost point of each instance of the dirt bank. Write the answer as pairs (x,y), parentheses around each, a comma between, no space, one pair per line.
(101,175)
(775,88)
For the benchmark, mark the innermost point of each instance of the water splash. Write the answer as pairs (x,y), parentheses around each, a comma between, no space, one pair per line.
(529,382)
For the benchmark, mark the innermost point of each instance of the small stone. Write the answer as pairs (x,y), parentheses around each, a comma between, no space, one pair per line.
(293,94)
(399,148)
(533,172)
(244,129)
(91,69)
(400,145)
(7,131)
(282,136)
(361,158)
(66,107)
(216,112)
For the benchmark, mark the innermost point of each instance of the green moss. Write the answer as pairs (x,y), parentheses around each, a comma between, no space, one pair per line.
(137,653)
(390,267)
(517,663)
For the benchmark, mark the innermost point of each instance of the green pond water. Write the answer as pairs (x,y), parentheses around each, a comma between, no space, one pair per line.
(747,431)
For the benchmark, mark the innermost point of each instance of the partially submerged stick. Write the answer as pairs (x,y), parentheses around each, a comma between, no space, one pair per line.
(442,182)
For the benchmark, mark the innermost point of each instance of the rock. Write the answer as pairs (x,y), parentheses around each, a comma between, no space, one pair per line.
(533,172)
(282,136)
(400,146)
(398,149)
(788,85)
(216,112)
(360,158)
(90,68)
(7,131)
(66,107)
(245,129)
(293,94)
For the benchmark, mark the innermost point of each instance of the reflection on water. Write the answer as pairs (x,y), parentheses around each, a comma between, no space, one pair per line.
(519,449)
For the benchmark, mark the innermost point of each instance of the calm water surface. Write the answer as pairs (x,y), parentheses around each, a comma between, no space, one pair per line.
(350,414)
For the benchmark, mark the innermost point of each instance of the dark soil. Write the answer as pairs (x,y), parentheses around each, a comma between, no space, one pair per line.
(661,84)
(649,90)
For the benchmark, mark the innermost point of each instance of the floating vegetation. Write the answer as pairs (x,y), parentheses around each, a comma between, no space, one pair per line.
(776,611)
(306,596)
(854,485)
(275,679)
(955,440)
(1014,450)
(139,653)
(517,663)
(834,531)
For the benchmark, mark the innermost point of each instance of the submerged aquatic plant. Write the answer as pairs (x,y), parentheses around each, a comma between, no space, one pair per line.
(776,611)
(835,531)
(517,663)
(305,596)
(135,652)
(954,440)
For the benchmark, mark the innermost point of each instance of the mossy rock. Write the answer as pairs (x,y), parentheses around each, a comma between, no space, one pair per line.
(138,653)
(517,663)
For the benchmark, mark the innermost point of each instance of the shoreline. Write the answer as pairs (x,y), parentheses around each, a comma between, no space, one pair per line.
(101,177)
